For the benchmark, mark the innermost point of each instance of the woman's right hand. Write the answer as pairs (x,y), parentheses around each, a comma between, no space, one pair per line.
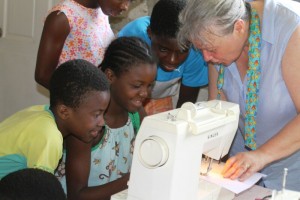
(243,165)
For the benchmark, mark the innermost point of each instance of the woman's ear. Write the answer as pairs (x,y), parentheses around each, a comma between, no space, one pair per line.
(240,26)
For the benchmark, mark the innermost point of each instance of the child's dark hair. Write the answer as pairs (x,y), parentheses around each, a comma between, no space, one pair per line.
(164,18)
(72,80)
(124,52)
(31,184)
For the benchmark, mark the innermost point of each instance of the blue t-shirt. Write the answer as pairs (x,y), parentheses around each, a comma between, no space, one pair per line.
(192,72)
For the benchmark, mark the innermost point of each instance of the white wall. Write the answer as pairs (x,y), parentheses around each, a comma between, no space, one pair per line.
(22,23)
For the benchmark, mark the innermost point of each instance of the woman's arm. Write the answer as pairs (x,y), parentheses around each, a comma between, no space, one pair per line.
(55,32)
(287,141)
(78,163)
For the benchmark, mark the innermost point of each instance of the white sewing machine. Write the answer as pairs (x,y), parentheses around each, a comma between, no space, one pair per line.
(169,147)
(285,194)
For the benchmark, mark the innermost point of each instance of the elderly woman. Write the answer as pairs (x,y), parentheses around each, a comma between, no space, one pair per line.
(254,50)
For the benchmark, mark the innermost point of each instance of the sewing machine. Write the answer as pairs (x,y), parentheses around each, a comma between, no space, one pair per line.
(169,148)
(284,194)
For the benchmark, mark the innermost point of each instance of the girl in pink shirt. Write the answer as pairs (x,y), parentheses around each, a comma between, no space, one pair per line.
(75,29)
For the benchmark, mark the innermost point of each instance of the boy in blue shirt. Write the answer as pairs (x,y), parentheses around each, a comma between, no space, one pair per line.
(177,67)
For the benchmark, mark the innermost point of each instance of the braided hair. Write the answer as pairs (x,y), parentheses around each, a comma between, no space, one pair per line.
(125,52)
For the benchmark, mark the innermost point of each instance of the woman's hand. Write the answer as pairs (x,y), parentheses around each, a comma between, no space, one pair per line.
(243,165)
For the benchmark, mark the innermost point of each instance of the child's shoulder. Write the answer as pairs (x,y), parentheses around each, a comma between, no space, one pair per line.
(33,123)
(68,7)
(29,114)
(38,117)
(141,21)
(137,27)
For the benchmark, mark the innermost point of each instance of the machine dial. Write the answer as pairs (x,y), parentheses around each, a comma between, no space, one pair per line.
(153,152)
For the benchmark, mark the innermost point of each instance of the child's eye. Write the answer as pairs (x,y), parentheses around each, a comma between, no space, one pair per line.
(97,115)
(161,49)
(136,86)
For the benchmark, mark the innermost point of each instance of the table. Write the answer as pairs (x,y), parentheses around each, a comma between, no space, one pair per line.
(255,192)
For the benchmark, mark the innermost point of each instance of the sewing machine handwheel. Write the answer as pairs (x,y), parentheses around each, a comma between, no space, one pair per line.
(153,152)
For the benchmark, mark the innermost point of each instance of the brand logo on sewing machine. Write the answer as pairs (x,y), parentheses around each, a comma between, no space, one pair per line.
(212,135)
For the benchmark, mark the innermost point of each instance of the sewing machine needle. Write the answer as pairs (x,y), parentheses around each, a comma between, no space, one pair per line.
(209,165)
(208,168)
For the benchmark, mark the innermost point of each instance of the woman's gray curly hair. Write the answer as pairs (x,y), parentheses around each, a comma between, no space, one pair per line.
(209,16)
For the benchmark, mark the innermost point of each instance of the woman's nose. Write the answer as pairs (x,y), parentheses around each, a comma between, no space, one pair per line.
(207,55)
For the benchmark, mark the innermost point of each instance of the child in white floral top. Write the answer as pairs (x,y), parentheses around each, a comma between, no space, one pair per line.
(75,29)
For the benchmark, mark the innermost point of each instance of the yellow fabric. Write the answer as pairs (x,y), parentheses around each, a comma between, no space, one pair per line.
(153,106)
(31,134)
